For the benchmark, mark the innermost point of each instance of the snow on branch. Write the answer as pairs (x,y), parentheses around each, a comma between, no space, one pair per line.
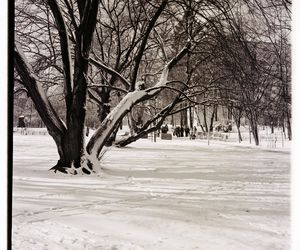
(110,123)
(19,90)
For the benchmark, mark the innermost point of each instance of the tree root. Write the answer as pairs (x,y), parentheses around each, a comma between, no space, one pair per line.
(87,168)
(59,167)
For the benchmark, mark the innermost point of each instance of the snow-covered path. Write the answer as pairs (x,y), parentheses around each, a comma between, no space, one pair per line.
(178,194)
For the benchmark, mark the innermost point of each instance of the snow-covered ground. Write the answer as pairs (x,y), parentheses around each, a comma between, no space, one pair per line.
(179,194)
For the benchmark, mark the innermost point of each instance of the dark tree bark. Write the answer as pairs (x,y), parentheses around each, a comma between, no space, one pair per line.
(69,139)
(204,119)
(50,118)
(191,118)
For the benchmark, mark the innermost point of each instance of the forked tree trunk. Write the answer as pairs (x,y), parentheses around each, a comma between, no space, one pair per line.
(72,161)
(69,138)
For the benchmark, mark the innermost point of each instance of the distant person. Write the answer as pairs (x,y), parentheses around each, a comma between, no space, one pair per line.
(181,131)
(187,131)
(165,129)
(177,131)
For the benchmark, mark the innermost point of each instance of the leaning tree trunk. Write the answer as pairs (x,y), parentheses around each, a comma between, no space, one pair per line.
(111,122)
(54,125)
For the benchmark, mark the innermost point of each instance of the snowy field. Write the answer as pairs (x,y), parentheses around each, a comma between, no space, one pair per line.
(179,194)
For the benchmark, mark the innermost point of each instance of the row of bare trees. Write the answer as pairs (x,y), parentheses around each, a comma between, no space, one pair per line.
(126,55)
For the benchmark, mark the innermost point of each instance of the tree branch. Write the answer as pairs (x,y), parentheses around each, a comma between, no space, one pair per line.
(65,51)
(141,50)
(36,92)
(111,71)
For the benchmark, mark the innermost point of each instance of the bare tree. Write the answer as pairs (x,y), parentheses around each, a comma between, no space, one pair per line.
(75,63)
(69,137)
(250,52)
(123,54)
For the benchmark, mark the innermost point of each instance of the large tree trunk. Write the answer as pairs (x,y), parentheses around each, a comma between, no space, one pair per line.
(72,161)
(69,139)
(70,149)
